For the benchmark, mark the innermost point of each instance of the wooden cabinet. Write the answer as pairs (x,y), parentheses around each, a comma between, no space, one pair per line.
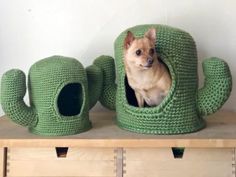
(46,162)
(107,151)
(161,162)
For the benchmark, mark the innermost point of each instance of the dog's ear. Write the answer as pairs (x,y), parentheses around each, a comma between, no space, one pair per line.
(128,39)
(151,34)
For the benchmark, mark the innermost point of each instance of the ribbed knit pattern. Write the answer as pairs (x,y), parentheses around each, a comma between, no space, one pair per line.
(95,84)
(46,80)
(217,88)
(108,96)
(182,109)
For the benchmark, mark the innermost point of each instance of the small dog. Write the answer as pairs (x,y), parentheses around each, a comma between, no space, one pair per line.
(147,76)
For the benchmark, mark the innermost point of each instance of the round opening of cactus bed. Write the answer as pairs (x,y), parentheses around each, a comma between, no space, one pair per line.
(131,96)
(70,99)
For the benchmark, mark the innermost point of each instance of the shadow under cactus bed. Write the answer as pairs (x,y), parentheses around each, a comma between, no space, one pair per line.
(183,109)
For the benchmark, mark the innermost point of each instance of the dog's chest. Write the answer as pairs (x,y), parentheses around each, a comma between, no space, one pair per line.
(149,91)
(141,83)
(153,96)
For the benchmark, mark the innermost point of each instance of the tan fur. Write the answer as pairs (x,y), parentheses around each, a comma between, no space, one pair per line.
(151,82)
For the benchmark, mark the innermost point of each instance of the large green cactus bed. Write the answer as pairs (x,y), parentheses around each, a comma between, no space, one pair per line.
(183,108)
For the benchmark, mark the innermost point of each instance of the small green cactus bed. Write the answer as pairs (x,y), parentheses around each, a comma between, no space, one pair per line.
(61,92)
(183,108)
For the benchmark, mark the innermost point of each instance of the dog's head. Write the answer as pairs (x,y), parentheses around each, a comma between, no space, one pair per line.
(141,51)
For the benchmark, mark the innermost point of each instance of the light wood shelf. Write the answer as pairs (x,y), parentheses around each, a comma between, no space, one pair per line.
(219,133)
(107,150)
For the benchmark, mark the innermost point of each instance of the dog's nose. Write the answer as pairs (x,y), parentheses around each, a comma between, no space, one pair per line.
(150,61)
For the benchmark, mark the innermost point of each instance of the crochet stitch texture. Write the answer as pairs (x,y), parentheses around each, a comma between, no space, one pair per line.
(61,93)
(183,108)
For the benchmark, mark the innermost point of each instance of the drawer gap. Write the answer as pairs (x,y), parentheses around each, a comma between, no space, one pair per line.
(178,152)
(61,152)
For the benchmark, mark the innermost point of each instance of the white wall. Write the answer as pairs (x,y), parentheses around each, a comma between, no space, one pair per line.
(84,29)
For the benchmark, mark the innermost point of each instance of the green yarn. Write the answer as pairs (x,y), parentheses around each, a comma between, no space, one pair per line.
(217,88)
(95,84)
(183,108)
(58,92)
(107,65)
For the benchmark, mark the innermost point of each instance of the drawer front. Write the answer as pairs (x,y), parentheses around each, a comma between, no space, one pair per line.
(81,162)
(167,162)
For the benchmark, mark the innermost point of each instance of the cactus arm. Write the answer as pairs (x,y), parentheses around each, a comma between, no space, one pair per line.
(95,84)
(217,86)
(108,96)
(13,89)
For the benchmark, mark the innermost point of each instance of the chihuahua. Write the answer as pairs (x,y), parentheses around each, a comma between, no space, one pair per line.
(147,76)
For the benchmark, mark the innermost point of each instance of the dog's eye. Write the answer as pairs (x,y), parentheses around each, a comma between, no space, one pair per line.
(152,51)
(138,52)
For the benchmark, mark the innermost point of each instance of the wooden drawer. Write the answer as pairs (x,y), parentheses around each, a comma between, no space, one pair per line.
(160,162)
(81,162)
(111,162)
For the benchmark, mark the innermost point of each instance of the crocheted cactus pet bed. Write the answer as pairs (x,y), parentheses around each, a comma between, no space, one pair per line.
(183,108)
(61,93)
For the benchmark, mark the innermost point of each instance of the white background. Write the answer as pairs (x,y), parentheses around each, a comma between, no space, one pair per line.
(34,29)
